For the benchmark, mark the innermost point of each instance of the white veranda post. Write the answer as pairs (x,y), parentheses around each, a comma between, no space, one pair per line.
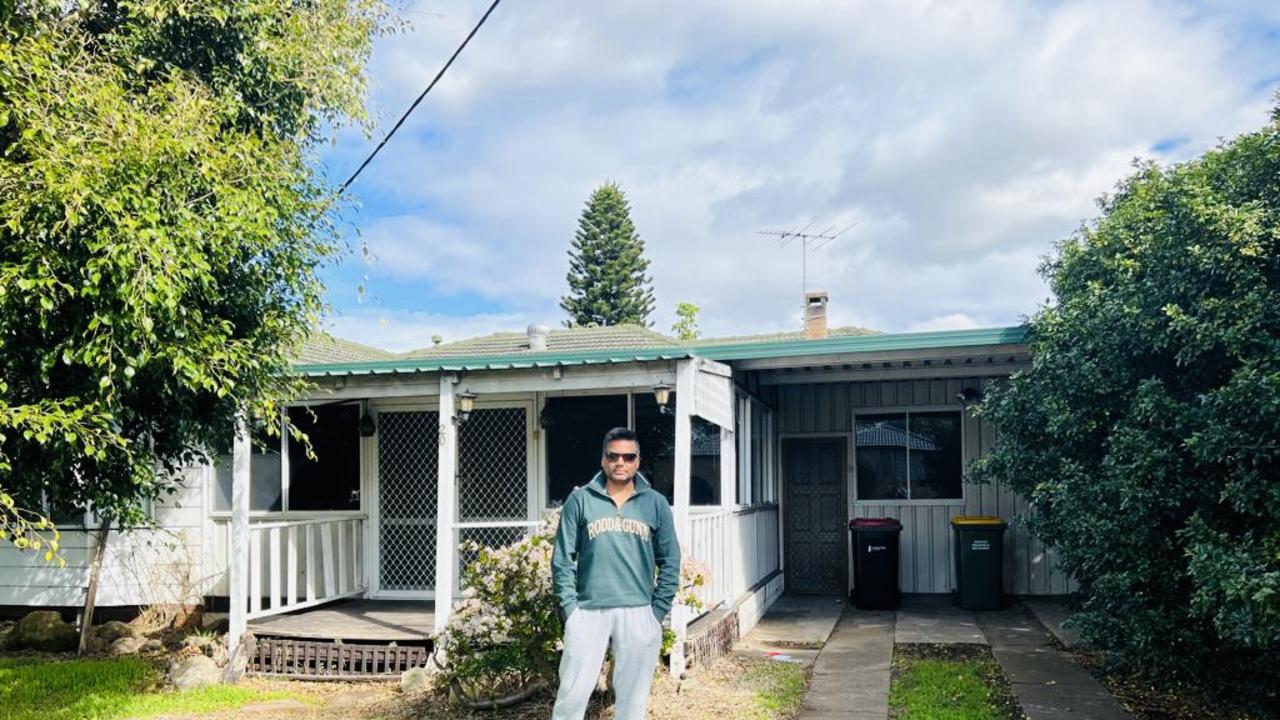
(685,389)
(237,569)
(728,501)
(447,491)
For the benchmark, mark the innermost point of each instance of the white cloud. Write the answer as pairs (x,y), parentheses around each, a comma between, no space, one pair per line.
(954,321)
(964,139)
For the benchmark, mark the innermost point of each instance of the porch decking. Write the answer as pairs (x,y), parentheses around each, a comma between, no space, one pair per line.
(355,620)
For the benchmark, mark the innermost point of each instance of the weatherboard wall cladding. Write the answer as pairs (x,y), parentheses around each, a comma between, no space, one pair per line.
(140,567)
(927,545)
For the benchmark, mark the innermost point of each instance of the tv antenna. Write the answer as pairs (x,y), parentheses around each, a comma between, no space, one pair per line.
(808,242)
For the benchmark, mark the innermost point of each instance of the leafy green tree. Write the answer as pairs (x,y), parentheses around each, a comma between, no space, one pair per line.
(1147,431)
(162,221)
(607,281)
(686,327)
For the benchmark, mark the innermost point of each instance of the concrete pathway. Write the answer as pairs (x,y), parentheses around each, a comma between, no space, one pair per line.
(1053,613)
(851,675)
(798,626)
(933,619)
(1048,683)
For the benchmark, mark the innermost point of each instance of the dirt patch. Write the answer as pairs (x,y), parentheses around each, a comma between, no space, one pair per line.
(1001,692)
(1147,700)
(726,689)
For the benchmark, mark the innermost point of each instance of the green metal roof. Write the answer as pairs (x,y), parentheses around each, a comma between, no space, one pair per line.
(887,342)
(492,362)
(881,342)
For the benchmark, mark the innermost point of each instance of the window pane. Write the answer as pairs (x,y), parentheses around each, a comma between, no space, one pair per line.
(757,453)
(657,434)
(740,439)
(935,455)
(67,516)
(332,480)
(881,450)
(264,476)
(704,479)
(575,427)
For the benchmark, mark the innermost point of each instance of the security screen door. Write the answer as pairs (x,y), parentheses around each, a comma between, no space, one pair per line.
(815,516)
(408,453)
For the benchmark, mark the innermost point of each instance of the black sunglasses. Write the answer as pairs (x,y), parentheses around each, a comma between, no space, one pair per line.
(626,457)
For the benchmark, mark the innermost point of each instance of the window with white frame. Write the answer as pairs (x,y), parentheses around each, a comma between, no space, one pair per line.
(265,468)
(757,476)
(328,481)
(575,425)
(908,456)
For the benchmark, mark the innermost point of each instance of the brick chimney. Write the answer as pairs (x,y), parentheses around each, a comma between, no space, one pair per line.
(815,315)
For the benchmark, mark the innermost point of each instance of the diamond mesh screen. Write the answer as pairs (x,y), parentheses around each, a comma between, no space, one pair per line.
(493,468)
(408,452)
(490,537)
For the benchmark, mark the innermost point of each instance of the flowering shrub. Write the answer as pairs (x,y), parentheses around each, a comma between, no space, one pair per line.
(505,634)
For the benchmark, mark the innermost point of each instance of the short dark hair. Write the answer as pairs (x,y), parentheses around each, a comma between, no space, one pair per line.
(619,433)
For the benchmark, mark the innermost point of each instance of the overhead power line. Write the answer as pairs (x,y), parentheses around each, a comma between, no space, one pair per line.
(423,95)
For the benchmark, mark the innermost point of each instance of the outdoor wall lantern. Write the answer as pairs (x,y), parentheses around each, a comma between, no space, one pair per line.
(367,426)
(662,394)
(466,404)
(969,396)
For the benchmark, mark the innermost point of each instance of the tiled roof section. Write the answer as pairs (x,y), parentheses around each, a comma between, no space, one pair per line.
(614,337)
(324,349)
(846,331)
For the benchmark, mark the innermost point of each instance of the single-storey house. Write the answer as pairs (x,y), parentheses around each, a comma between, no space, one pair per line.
(767,446)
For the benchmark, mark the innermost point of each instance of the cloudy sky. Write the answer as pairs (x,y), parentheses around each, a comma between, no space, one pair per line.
(963,139)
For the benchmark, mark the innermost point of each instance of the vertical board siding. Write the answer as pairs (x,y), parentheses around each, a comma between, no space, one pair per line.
(927,545)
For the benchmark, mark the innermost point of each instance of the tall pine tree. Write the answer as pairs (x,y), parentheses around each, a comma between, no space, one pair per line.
(607,281)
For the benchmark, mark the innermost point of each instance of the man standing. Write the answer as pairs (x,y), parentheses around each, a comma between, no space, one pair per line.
(614,532)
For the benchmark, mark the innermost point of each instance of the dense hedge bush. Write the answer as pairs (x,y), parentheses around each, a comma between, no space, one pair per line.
(1147,431)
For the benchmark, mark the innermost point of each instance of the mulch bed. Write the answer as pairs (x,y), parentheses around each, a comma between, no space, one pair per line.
(1001,693)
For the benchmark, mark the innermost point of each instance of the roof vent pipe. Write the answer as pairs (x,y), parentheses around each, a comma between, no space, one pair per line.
(538,334)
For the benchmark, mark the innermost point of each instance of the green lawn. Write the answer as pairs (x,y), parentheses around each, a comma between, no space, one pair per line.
(41,689)
(936,689)
(779,687)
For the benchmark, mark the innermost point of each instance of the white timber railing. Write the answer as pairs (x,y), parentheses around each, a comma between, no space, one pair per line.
(739,548)
(296,564)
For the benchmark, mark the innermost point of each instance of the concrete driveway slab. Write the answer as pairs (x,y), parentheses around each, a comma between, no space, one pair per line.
(933,619)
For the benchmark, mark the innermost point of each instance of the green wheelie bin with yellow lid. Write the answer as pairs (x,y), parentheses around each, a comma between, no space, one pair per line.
(979,544)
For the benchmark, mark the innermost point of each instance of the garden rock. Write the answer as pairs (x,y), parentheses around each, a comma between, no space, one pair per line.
(152,646)
(114,630)
(193,672)
(127,645)
(414,679)
(43,630)
(94,645)
(212,646)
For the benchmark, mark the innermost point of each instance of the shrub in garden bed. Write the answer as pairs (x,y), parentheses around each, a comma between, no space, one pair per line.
(503,640)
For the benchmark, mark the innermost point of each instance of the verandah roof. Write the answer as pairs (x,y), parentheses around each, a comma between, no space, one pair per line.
(723,351)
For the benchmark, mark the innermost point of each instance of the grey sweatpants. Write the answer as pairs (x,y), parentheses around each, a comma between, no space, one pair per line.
(636,636)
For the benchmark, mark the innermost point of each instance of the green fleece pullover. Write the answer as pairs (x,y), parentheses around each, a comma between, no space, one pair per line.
(605,556)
